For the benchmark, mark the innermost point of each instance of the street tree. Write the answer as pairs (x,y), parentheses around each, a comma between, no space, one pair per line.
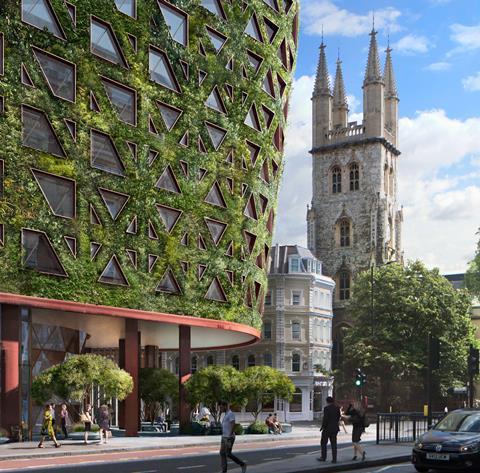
(214,384)
(261,384)
(389,342)
(158,388)
(472,277)
(75,378)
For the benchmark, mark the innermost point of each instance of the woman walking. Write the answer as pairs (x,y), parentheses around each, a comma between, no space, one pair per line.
(356,415)
(87,419)
(104,423)
(65,420)
(47,427)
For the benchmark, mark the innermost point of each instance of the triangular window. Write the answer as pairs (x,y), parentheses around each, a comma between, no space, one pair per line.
(282,84)
(25,77)
(201,49)
(72,245)
(267,85)
(229,251)
(229,65)
(170,114)
(72,128)
(114,201)
(161,71)
(185,69)
(104,155)
(60,74)
(268,115)
(278,138)
(201,76)
(39,253)
(259,261)
(201,174)
(168,283)
(133,226)
(168,181)
(152,156)
(229,90)
(152,259)
(127,7)
(216,229)
(124,99)
(264,174)
(133,257)
(185,265)
(253,29)
(229,158)
(176,20)
(275,167)
(201,243)
(215,291)
(272,29)
(250,240)
(230,184)
(94,107)
(133,149)
(215,196)
(288,5)
(201,145)
(218,39)
(72,11)
(59,193)
(215,101)
(169,216)
(103,42)
(94,249)
(133,41)
(113,274)
(152,233)
(230,276)
(94,219)
(201,268)
(244,97)
(184,140)
(272,4)
(40,14)
(263,203)
(252,118)
(214,6)
(217,134)
(184,240)
(270,221)
(38,133)
(184,166)
(255,60)
(251,208)
(244,189)
(254,151)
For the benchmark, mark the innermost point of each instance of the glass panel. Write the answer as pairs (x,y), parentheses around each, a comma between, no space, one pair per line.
(39,13)
(60,75)
(253,30)
(59,193)
(42,364)
(215,291)
(104,43)
(216,134)
(296,362)
(215,101)
(169,114)
(38,133)
(39,253)
(104,156)
(267,359)
(267,330)
(176,21)
(55,341)
(216,230)
(126,6)
(169,284)
(168,181)
(296,330)
(114,201)
(113,274)
(161,71)
(296,402)
(217,39)
(214,6)
(124,101)
(254,60)
(168,216)
(215,196)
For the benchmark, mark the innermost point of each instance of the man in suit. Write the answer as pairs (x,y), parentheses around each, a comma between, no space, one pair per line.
(330,429)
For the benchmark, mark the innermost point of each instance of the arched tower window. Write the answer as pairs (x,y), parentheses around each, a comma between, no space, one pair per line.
(295,362)
(354,177)
(345,233)
(344,285)
(336,180)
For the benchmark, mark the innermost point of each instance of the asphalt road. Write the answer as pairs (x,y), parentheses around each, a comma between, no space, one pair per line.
(402,468)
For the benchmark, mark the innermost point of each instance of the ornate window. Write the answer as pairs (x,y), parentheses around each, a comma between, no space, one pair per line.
(296,297)
(267,330)
(344,285)
(354,177)
(104,44)
(40,14)
(236,362)
(267,359)
(336,180)
(296,362)
(344,233)
(251,360)
(296,331)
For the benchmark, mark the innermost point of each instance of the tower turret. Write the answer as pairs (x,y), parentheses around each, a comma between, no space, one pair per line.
(322,101)
(391,99)
(373,92)
(340,104)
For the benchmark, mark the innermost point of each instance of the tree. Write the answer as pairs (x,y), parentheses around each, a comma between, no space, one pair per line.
(214,384)
(74,379)
(472,277)
(390,344)
(261,384)
(157,388)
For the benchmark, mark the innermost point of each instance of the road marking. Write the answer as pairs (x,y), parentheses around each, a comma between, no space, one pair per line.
(188,467)
(385,468)
(271,459)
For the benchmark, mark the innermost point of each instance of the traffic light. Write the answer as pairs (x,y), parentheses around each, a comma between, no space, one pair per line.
(360,378)
(473,361)
(434,353)
(364,379)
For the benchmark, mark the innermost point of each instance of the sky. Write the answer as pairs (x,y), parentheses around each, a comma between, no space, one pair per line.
(436,56)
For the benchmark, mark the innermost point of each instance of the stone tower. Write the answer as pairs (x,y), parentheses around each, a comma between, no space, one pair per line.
(353,222)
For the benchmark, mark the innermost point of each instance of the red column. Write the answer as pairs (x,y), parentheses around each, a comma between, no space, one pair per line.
(10,383)
(121,363)
(184,371)
(132,364)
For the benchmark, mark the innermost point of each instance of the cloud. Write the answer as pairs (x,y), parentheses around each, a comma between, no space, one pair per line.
(412,44)
(441,211)
(472,83)
(438,66)
(468,37)
(318,14)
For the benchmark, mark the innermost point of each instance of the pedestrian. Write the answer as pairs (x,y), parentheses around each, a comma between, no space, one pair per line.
(87,419)
(104,423)
(330,429)
(228,439)
(47,427)
(65,420)
(356,415)
(52,409)
(277,425)
(342,417)
(269,424)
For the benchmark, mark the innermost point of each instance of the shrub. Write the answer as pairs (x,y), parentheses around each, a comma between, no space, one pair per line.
(239,430)
(257,428)
(81,427)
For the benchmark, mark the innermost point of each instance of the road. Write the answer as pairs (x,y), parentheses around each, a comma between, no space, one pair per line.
(402,468)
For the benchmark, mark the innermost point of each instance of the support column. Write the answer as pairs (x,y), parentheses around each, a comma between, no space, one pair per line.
(184,372)
(151,357)
(10,352)
(132,366)
(121,364)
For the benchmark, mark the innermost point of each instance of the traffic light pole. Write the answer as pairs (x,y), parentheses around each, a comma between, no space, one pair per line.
(429,382)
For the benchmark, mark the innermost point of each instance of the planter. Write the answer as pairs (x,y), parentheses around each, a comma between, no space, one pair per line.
(79,436)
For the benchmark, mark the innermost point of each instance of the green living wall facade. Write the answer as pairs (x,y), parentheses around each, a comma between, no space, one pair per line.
(141,150)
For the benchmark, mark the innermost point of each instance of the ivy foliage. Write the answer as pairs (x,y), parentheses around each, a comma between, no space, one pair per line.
(23,205)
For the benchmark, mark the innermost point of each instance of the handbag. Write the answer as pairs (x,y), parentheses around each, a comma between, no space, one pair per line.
(84,418)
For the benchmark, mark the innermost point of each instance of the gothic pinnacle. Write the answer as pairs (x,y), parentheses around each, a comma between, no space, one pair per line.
(339,95)
(322,81)
(373,74)
(389,76)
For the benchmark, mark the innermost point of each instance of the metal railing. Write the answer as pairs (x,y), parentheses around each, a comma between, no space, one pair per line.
(402,427)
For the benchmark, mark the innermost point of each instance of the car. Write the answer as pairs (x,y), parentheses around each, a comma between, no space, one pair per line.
(452,444)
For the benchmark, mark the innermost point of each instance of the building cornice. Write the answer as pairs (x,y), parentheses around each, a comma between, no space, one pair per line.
(360,142)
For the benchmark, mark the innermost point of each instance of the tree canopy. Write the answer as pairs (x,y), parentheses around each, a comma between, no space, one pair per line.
(74,379)
(390,344)
(472,277)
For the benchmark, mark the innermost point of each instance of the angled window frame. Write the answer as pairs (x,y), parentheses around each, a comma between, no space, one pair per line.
(171,107)
(114,257)
(163,53)
(215,32)
(100,188)
(214,220)
(59,59)
(135,8)
(96,130)
(109,27)
(180,12)
(129,89)
(52,11)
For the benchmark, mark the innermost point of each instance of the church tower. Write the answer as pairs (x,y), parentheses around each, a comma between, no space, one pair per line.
(353,221)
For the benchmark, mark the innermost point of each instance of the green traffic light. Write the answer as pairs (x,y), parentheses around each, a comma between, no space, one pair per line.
(358,382)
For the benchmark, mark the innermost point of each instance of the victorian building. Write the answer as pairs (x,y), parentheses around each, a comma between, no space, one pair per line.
(354,222)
